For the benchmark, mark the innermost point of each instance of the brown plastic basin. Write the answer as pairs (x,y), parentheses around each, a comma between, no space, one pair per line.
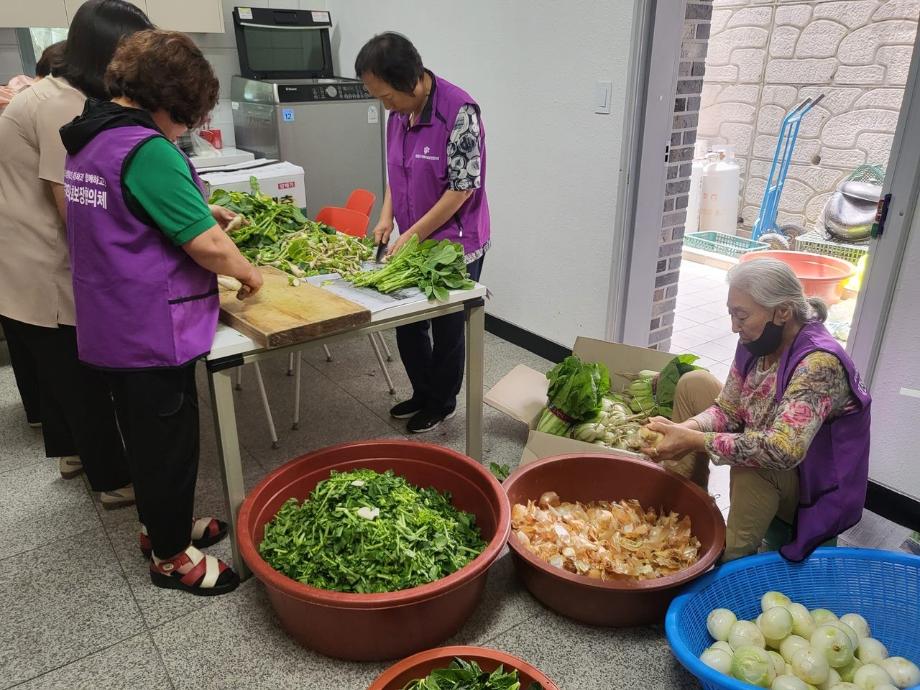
(368,627)
(423,663)
(612,478)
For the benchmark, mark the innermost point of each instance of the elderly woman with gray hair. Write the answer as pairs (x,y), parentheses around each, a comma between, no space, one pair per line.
(792,420)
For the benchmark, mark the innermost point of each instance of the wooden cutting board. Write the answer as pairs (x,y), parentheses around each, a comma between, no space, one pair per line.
(280,314)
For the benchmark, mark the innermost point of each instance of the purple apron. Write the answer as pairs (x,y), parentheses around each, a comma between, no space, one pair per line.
(141,302)
(834,475)
(417,169)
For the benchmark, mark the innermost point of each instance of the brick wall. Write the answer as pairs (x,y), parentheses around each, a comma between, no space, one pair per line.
(683,135)
(767,55)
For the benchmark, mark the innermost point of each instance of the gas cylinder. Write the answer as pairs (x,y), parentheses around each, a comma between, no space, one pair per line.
(692,223)
(719,192)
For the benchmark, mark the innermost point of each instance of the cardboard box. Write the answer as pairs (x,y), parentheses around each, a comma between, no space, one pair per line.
(521,394)
(277,180)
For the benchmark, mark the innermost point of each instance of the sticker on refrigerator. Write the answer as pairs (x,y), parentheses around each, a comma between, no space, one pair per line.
(320,16)
(373,117)
(287,114)
(234,105)
(245,12)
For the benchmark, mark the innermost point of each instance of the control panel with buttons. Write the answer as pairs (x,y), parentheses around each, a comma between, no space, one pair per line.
(300,93)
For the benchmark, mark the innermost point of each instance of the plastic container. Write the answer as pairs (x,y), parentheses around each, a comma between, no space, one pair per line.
(882,586)
(821,276)
(720,243)
(719,190)
(423,663)
(367,627)
(613,477)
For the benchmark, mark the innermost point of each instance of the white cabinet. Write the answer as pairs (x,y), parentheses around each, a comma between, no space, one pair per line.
(198,16)
(26,13)
(73,5)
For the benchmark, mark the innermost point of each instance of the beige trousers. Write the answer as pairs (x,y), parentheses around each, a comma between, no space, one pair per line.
(757,495)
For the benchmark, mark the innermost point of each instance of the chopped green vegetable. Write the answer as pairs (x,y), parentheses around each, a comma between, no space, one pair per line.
(433,267)
(667,382)
(576,391)
(467,675)
(367,532)
(279,235)
(500,472)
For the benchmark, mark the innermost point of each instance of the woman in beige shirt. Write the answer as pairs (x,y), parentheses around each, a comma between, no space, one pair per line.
(36,296)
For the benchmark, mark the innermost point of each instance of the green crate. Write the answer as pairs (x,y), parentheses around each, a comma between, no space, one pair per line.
(720,243)
(816,242)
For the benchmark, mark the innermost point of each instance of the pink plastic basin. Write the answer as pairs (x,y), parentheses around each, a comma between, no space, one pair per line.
(369,627)
(821,276)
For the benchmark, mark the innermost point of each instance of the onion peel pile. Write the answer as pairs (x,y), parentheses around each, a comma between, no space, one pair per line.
(605,540)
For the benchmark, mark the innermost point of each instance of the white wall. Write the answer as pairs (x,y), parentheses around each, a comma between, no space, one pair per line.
(220,50)
(895,417)
(553,164)
(10,60)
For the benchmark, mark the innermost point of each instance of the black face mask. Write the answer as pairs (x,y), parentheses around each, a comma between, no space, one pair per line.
(769,340)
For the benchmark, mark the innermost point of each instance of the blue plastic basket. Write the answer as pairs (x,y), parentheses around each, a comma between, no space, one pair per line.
(882,586)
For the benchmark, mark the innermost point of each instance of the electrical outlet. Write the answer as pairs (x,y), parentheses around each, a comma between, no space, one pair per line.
(602,93)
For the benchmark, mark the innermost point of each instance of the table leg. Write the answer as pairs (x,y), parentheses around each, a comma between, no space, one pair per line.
(475,352)
(228,448)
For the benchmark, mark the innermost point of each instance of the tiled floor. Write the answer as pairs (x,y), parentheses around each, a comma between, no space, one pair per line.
(78,610)
(701,323)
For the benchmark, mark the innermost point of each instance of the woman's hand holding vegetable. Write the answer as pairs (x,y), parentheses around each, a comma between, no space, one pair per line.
(223,216)
(677,441)
(399,243)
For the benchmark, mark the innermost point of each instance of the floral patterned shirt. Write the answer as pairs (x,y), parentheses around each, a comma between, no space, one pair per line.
(463,151)
(746,426)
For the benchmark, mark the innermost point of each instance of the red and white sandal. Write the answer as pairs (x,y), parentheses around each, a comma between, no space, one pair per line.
(205,532)
(194,572)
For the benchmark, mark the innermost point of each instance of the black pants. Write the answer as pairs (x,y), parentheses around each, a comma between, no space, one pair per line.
(157,412)
(433,353)
(76,409)
(25,370)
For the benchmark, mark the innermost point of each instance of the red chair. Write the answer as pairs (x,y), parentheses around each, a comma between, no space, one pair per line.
(361,201)
(345,220)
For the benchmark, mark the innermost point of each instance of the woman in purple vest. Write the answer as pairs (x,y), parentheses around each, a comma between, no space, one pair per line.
(792,420)
(144,251)
(436,170)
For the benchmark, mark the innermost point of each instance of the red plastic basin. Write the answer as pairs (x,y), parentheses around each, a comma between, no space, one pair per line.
(369,627)
(423,663)
(595,477)
(821,276)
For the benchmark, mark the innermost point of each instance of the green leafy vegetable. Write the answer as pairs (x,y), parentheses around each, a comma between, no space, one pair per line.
(576,392)
(667,382)
(500,472)
(467,675)
(279,235)
(368,532)
(433,267)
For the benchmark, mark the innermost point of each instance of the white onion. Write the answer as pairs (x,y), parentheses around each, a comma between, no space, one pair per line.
(746,634)
(772,599)
(789,682)
(719,623)
(833,679)
(810,665)
(779,663)
(847,672)
(753,665)
(791,645)
(776,623)
(871,651)
(850,633)
(834,645)
(724,646)
(886,686)
(845,686)
(823,616)
(803,624)
(858,623)
(717,659)
(870,675)
(903,672)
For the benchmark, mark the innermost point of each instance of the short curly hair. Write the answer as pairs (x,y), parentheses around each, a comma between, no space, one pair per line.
(164,70)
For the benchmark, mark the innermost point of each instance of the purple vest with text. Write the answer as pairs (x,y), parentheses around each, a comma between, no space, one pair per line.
(417,169)
(141,301)
(834,475)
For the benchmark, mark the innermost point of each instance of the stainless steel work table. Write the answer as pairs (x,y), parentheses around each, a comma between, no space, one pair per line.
(232,349)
